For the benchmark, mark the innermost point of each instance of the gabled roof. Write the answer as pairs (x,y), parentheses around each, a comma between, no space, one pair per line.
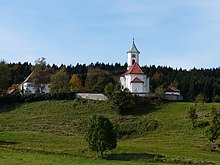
(29,78)
(137,80)
(45,76)
(135,69)
(172,89)
(133,48)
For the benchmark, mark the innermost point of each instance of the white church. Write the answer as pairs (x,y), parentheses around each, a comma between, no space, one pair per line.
(134,78)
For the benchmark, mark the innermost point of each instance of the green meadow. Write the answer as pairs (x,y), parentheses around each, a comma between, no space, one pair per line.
(51,132)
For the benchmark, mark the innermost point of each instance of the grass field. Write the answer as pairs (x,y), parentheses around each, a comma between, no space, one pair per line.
(51,132)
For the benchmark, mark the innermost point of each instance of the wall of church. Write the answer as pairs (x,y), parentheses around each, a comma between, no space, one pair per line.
(136,87)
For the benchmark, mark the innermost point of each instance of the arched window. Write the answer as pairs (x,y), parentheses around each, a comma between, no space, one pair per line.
(133,61)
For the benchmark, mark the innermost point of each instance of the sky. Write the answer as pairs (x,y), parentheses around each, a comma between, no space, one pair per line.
(173,33)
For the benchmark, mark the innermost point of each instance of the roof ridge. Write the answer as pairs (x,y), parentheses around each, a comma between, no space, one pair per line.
(135,69)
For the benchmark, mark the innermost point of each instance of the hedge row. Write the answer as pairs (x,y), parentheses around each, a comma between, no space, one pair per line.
(18,98)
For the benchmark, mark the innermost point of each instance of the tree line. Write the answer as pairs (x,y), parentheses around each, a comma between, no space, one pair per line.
(94,77)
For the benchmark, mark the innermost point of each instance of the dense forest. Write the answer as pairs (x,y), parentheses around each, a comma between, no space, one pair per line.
(95,76)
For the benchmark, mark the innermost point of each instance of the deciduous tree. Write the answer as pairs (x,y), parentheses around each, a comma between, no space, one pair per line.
(100,135)
(59,82)
(201,98)
(75,84)
(40,74)
(97,79)
(213,130)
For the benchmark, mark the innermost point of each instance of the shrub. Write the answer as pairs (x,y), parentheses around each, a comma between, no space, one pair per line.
(123,102)
(213,130)
(193,116)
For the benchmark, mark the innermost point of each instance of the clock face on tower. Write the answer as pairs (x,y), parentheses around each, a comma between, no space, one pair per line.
(133,56)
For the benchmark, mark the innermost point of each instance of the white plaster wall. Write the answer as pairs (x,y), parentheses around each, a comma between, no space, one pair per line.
(137,87)
(29,88)
(172,93)
(130,59)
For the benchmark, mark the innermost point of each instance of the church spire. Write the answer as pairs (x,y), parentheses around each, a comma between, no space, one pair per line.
(133,55)
(133,48)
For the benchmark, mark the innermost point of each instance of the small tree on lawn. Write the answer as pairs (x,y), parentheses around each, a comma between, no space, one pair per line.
(100,135)
(193,116)
(213,130)
(201,98)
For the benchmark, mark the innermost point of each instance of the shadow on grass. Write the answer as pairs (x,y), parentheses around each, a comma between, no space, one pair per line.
(144,109)
(202,124)
(3,143)
(9,107)
(134,156)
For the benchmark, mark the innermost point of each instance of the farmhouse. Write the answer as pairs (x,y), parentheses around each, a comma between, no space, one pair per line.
(134,78)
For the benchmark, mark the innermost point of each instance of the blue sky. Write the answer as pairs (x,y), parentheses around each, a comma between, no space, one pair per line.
(176,33)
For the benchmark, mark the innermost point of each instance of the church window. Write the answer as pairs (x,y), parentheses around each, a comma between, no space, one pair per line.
(133,61)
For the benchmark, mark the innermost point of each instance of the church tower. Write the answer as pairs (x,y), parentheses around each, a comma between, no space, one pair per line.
(133,55)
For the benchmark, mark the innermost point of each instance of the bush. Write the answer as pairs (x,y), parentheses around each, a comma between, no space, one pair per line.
(193,116)
(123,102)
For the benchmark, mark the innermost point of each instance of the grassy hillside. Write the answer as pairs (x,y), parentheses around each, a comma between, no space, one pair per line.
(51,132)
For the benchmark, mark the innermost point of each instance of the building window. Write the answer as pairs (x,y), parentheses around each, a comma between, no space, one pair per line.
(133,61)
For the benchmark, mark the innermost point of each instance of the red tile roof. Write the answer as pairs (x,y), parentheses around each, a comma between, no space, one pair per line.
(135,69)
(137,80)
(172,89)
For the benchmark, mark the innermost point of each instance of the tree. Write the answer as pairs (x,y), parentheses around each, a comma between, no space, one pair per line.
(213,130)
(59,82)
(201,98)
(160,91)
(5,75)
(97,79)
(40,74)
(123,102)
(110,89)
(193,116)
(100,135)
(75,83)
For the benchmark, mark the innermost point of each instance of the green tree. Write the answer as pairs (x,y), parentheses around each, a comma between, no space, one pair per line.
(110,89)
(40,74)
(213,130)
(100,135)
(160,91)
(97,79)
(193,116)
(5,76)
(123,102)
(59,82)
(75,83)
(201,98)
